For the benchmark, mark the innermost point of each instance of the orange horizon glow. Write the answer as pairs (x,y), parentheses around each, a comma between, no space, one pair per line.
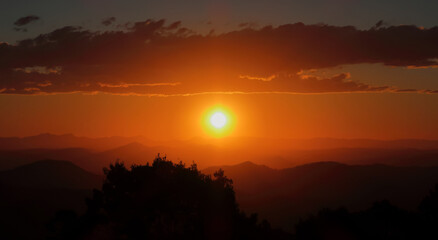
(372,116)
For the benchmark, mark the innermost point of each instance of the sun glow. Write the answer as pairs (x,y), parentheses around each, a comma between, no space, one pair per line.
(218,121)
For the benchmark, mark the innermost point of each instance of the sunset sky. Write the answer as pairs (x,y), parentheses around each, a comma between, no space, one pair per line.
(278,69)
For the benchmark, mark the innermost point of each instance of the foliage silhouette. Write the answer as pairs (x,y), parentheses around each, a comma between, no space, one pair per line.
(162,201)
(382,221)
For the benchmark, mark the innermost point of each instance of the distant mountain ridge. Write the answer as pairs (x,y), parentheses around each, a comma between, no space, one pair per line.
(93,161)
(283,196)
(211,155)
(50,174)
(47,140)
(52,141)
(32,194)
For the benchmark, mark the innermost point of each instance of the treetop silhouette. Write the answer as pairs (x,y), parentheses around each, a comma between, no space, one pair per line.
(162,200)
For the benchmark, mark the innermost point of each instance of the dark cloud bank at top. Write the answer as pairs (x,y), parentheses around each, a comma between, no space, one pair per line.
(153,57)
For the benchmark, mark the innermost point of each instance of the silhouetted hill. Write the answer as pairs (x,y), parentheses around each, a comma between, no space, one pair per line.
(50,174)
(283,196)
(15,158)
(87,159)
(51,141)
(248,172)
(210,155)
(242,169)
(363,156)
(33,193)
(93,154)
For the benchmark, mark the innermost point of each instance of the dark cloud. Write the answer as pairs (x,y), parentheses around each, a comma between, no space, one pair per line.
(152,57)
(26,20)
(108,21)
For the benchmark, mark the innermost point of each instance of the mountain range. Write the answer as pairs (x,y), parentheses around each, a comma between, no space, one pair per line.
(31,195)
(47,140)
(284,196)
(37,190)
(281,180)
(92,154)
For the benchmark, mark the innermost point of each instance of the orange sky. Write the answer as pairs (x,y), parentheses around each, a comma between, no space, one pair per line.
(360,115)
(157,79)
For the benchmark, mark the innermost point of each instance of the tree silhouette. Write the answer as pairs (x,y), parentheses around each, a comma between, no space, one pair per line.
(428,209)
(382,221)
(328,224)
(429,205)
(162,201)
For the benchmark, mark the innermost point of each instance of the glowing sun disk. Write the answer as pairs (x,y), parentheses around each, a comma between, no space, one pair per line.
(218,120)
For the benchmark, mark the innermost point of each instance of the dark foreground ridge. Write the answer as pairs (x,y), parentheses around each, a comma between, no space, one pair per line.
(162,201)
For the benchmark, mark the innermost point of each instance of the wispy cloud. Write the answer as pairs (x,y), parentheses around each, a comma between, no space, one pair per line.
(126,85)
(26,20)
(264,79)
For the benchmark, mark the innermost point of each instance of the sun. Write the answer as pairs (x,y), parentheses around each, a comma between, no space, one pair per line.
(218,120)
